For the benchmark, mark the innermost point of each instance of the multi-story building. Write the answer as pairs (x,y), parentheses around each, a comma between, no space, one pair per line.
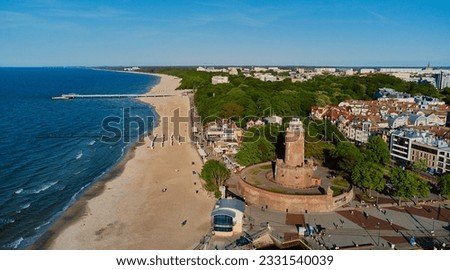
(225,132)
(408,146)
(443,80)
(324,70)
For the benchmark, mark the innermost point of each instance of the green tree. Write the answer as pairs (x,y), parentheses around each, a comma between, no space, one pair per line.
(232,109)
(215,175)
(285,97)
(248,154)
(377,150)
(368,175)
(255,152)
(444,185)
(420,165)
(347,156)
(408,185)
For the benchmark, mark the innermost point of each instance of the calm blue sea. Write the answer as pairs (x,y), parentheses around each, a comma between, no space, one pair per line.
(50,150)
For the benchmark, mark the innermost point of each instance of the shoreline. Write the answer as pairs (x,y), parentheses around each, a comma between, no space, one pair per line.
(139,215)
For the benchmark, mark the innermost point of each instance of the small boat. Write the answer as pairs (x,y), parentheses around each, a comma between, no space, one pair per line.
(60,98)
(64,97)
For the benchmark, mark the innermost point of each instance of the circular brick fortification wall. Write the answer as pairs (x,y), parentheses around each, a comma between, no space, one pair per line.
(291,203)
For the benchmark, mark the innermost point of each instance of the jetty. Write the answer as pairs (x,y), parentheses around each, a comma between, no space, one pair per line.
(74,96)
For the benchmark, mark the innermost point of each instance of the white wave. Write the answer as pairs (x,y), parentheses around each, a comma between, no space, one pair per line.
(19,191)
(79,155)
(91,142)
(15,244)
(74,196)
(25,206)
(44,187)
(40,226)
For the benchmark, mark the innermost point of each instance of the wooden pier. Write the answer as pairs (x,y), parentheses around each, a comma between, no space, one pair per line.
(74,96)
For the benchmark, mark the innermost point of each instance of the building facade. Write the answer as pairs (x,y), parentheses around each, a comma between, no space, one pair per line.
(227,216)
(408,146)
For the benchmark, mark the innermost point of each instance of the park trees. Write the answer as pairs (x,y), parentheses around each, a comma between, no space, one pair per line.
(369,176)
(347,156)
(215,175)
(377,150)
(420,165)
(444,185)
(285,97)
(407,184)
(232,109)
(255,152)
(258,145)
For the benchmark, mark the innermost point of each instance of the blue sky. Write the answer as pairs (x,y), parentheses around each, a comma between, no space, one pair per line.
(297,32)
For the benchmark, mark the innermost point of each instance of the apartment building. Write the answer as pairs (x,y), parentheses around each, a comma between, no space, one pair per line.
(408,146)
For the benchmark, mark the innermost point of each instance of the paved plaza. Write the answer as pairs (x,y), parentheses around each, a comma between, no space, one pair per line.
(360,225)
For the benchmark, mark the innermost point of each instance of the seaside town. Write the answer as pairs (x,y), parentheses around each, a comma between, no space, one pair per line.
(415,128)
(360,174)
(294,201)
(177,133)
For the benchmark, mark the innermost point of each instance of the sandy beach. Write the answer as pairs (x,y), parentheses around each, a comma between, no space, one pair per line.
(148,196)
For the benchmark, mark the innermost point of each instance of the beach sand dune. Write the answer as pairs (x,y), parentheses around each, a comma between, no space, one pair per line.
(145,205)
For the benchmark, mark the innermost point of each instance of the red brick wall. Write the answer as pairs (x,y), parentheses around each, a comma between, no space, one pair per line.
(295,177)
(281,202)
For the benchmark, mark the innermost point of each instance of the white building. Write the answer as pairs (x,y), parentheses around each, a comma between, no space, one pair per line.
(273,120)
(227,216)
(325,70)
(367,70)
(131,69)
(219,79)
(266,77)
(442,80)
(260,69)
(407,146)
(349,72)
(233,71)
(400,70)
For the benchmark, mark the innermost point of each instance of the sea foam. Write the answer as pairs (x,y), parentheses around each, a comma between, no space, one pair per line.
(44,187)
(80,154)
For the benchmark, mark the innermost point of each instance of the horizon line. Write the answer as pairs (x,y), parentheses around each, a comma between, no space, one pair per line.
(221,65)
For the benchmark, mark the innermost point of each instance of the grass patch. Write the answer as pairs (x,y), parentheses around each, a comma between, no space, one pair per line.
(340,182)
(337,190)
